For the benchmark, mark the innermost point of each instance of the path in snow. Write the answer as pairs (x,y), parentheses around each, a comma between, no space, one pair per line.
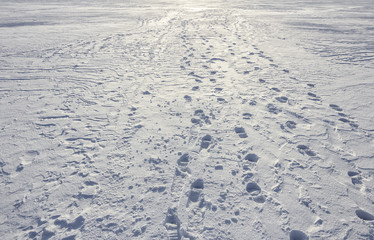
(177,123)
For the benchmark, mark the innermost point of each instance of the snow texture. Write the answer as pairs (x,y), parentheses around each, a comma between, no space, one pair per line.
(187,119)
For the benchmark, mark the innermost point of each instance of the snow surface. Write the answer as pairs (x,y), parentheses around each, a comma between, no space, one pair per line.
(187,119)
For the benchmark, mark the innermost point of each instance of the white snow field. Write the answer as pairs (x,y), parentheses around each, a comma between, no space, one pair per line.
(187,119)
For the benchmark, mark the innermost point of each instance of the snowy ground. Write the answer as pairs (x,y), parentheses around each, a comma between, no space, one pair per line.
(187,120)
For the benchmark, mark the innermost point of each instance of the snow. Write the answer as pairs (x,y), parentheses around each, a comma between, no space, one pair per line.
(187,119)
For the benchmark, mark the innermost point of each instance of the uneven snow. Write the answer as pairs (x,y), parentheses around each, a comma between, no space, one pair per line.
(187,120)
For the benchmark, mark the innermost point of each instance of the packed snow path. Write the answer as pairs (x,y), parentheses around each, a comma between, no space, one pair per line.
(180,122)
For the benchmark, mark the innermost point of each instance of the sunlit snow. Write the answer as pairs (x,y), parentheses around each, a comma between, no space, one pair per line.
(187,119)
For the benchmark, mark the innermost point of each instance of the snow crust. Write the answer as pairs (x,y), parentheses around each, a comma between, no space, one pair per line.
(187,119)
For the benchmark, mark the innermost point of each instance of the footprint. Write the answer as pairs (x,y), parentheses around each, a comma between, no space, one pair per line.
(364,215)
(90,183)
(47,234)
(344,120)
(19,167)
(291,124)
(217,59)
(206,141)
(305,150)
(241,132)
(259,199)
(203,117)
(352,173)
(273,109)
(298,235)
(76,224)
(184,160)
(252,102)
(196,189)
(221,100)
(196,121)
(239,129)
(187,98)
(158,189)
(252,157)
(275,89)
(218,89)
(336,107)
(218,167)
(302,147)
(247,175)
(253,189)
(312,94)
(181,172)
(198,184)
(172,224)
(199,112)
(342,114)
(32,234)
(355,177)
(282,99)
(247,116)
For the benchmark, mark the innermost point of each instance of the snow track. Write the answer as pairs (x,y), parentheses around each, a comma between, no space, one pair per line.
(184,122)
